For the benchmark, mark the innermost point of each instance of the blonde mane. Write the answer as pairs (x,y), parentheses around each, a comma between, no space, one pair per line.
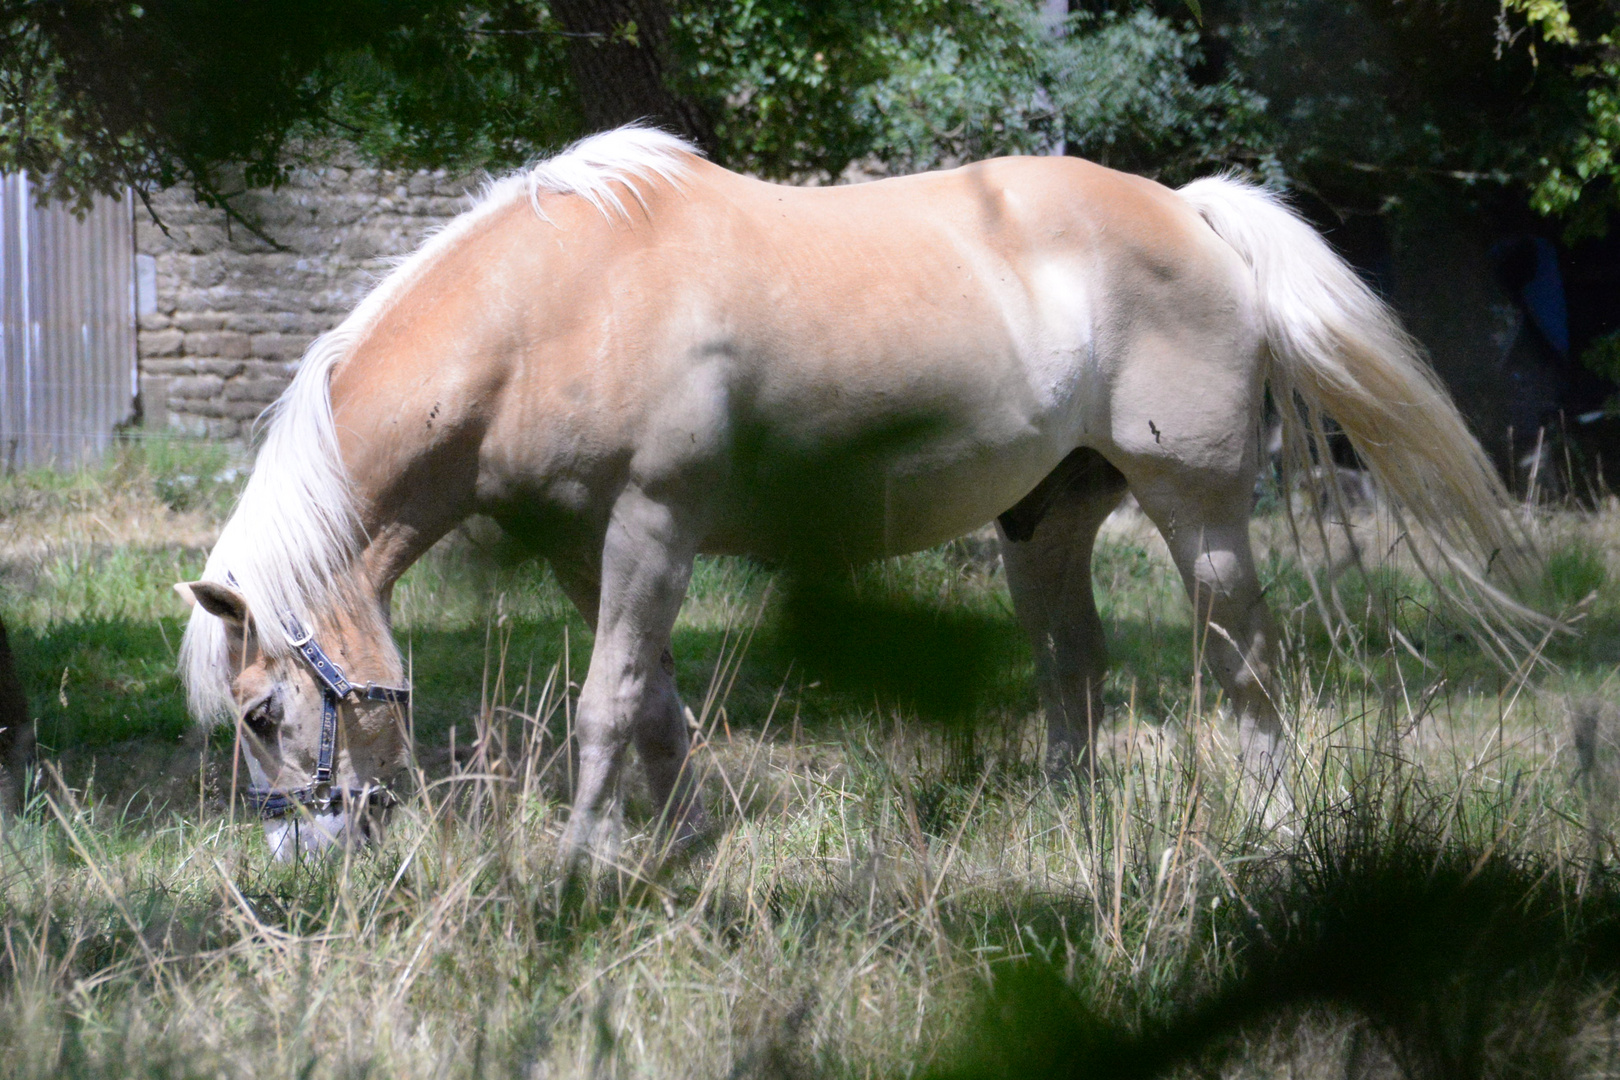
(296,529)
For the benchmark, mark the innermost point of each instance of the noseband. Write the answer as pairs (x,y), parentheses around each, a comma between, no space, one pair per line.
(319,796)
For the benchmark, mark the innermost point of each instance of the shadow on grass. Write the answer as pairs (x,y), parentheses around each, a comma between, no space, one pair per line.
(1464,961)
(890,641)
(99,682)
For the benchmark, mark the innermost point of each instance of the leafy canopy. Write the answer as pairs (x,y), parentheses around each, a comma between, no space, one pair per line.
(96,95)
(1374,100)
(1360,101)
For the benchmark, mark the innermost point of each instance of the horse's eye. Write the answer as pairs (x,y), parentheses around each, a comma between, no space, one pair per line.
(263,715)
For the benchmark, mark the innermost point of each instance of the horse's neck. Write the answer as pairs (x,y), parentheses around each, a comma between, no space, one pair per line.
(409,492)
(358,623)
(416,394)
(407,433)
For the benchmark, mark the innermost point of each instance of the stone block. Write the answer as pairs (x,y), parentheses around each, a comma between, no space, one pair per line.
(193,321)
(196,388)
(225,369)
(340,215)
(186,424)
(177,366)
(233,297)
(245,410)
(448,206)
(206,271)
(216,429)
(154,321)
(261,322)
(154,392)
(270,266)
(279,346)
(159,342)
(262,390)
(270,210)
(314,323)
(220,343)
(209,407)
(359,246)
(149,239)
(200,239)
(202,300)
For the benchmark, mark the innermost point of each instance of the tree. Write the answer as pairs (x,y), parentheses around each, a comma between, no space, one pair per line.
(1374,100)
(1357,100)
(95,95)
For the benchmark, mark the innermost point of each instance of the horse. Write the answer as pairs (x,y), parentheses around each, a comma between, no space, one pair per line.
(634,356)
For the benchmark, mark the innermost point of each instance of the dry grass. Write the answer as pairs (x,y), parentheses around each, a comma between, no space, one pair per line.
(864,881)
(851,903)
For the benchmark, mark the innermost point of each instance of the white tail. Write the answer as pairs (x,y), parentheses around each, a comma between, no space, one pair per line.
(1336,349)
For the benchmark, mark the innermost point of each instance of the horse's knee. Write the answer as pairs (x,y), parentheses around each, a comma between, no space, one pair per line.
(660,732)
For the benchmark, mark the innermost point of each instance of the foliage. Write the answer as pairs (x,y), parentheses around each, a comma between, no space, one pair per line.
(781,78)
(1603,358)
(464,86)
(95,95)
(1117,88)
(1592,161)
(1576,177)
(98,95)
(1132,96)
(1373,100)
(1362,102)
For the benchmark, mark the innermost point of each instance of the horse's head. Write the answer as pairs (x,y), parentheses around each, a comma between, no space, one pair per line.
(320,712)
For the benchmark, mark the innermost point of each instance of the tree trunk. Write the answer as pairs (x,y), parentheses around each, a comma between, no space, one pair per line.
(620,73)
(16,732)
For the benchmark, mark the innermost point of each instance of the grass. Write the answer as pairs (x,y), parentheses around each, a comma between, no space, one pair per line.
(877,897)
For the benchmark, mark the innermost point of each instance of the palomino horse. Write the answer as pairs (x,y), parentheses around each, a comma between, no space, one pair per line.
(635,356)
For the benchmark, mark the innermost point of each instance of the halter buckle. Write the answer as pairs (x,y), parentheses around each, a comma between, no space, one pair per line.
(297,636)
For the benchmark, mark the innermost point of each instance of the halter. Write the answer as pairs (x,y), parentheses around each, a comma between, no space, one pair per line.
(319,795)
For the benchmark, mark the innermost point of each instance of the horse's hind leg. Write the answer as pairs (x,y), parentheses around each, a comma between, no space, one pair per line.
(629,693)
(1046,545)
(1204,518)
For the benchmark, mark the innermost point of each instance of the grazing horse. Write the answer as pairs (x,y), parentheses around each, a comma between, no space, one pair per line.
(633,356)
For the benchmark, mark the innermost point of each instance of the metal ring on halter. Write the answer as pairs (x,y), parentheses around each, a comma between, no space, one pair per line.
(319,795)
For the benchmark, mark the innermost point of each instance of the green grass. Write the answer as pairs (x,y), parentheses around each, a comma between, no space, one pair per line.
(877,897)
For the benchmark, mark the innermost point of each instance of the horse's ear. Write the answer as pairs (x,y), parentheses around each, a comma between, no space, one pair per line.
(216,599)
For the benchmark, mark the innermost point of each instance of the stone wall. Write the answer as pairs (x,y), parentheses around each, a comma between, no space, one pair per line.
(225,316)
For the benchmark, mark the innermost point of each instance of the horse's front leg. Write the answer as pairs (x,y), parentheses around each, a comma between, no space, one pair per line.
(629,692)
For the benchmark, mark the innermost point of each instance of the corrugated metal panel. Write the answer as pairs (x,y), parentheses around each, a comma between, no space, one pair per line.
(67,327)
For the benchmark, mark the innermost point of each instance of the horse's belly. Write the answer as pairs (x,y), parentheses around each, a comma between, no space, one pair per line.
(855,509)
(867,429)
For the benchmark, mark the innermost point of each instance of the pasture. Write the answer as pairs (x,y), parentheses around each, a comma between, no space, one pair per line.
(881,894)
